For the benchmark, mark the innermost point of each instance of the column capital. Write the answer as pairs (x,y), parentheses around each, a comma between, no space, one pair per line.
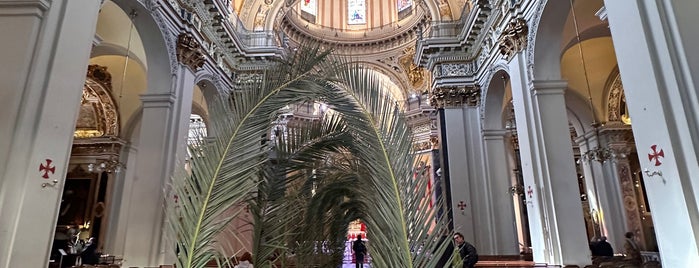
(549,87)
(157,100)
(455,97)
(513,38)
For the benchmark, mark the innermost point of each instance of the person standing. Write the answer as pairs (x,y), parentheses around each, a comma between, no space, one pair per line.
(467,252)
(359,251)
(633,252)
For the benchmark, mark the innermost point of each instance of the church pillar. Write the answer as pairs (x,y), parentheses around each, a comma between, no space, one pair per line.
(461,145)
(654,42)
(162,145)
(457,166)
(45,53)
(501,213)
(558,230)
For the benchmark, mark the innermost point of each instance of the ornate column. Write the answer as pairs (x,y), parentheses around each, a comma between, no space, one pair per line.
(619,140)
(458,123)
(161,145)
(45,53)
(555,211)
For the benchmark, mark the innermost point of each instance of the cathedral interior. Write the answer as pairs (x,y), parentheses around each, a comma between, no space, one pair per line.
(540,126)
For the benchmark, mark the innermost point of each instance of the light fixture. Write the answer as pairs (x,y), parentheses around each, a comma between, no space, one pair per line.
(111,165)
(600,153)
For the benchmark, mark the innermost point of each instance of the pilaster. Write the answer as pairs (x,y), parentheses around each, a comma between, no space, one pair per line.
(47,47)
(654,44)
(161,146)
(501,218)
(555,210)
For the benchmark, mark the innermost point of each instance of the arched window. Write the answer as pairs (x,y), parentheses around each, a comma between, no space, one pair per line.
(356,12)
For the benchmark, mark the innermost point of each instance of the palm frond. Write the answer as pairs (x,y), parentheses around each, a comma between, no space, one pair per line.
(228,167)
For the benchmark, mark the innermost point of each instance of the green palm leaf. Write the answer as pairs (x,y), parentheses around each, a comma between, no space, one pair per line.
(227,168)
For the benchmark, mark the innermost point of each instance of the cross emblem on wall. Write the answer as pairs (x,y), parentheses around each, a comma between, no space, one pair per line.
(530,191)
(46,169)
(461,205)
(656,155)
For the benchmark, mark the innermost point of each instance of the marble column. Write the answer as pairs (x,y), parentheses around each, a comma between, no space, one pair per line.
(604,193)
(555,210)
(655,45)
(501,215)
(45,53)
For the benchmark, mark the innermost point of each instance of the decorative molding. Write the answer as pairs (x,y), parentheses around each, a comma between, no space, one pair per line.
(189,51)
(455,97)
(98,111)
(31,7)
(531,37)
(168,36)
(455,70)
(513,38)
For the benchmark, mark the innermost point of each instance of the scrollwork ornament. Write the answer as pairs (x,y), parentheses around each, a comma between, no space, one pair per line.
(514,38)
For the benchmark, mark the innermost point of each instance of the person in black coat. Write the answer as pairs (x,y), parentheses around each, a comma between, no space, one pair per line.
(89,253)
(359,251)
(604,248)
(444,259)
(468,252)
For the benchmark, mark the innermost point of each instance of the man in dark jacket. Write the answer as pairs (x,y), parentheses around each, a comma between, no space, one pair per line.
(359,250)
(467,252)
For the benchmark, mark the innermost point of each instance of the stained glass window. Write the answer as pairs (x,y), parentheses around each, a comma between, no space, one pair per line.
(309,10)
(404,4)
(405,8)
(356,12)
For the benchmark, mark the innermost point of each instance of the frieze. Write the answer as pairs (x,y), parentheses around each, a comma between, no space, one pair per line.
(423,128)
(189,51)
(455,69)
(453,97)
(513,38)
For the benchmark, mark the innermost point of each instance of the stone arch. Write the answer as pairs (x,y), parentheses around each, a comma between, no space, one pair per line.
(615,98)
(546,29)
(99,115)
(395,78)
(495,92)
(579,113)
(154,35)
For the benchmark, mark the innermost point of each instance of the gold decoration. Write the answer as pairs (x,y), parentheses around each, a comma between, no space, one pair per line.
(189,51)
(98,112)
(416,74)
(514,38)
(453,97)
(100,75)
